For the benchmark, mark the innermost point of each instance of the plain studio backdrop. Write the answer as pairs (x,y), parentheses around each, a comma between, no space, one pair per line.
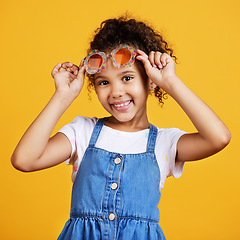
(36,35)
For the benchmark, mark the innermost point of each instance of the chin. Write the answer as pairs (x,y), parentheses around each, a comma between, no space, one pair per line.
(122,119)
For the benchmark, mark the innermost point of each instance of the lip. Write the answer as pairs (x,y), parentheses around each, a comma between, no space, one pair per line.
(122,106)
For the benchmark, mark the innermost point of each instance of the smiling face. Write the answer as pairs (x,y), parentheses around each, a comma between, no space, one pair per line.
(123,93)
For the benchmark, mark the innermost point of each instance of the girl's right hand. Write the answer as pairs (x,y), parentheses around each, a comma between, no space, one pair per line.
(36,150)
(69,79)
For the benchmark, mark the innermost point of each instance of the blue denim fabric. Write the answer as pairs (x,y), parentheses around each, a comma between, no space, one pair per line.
(134,202)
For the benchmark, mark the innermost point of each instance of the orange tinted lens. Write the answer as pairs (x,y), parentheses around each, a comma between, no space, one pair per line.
(95,62)
(123,56)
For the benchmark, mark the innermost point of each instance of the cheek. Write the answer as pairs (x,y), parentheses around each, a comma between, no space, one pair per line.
(141,88)
(102,96)
(139,94)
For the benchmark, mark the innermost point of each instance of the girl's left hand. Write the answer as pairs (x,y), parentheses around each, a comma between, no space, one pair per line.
(160,67)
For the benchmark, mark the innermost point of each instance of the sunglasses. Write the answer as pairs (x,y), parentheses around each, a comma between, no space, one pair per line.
(122,56)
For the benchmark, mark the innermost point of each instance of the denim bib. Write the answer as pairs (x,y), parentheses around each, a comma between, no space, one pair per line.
(115,196)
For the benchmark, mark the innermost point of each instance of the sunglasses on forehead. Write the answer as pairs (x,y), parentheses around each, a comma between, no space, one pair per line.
(122,56)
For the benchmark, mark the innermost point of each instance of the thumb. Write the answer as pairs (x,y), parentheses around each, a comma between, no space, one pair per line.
(82,70)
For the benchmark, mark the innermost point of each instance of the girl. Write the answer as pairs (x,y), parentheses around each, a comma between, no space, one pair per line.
(119,162)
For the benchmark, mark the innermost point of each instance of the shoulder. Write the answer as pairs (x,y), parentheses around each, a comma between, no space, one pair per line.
(169,133)
(79,132)
(167,138)
(80,120)
(80,125)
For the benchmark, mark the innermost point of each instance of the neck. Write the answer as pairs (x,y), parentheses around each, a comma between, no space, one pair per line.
(129,126)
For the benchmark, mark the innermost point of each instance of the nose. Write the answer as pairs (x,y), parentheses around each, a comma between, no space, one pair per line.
(117,90)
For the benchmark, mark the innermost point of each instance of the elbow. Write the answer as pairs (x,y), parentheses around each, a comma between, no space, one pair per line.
(227,138)
(19,164)
(223,140)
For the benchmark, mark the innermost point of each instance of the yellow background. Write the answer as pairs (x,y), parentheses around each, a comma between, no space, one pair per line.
(36,35)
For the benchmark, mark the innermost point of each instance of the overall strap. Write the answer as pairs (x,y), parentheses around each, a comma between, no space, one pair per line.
(152,138)
(96,131)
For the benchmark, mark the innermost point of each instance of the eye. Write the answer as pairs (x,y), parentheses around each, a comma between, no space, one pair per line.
(127,78)
(102,83)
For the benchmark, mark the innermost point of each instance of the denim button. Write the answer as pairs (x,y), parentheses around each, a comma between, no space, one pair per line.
(114,186)
(117,160)
(111,216)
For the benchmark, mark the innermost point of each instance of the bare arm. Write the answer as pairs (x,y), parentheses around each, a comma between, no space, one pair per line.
(212,135)
(35,150)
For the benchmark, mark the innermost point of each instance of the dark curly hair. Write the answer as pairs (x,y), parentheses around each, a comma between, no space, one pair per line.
(124,30)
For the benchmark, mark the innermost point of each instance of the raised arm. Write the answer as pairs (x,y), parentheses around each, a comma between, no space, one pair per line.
(212,135)
(36,150)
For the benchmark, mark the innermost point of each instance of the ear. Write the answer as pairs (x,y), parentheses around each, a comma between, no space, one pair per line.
(152,85)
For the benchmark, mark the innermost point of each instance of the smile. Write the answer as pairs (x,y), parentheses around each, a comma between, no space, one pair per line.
(122,104)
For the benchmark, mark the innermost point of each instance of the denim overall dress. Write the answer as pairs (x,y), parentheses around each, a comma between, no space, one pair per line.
(115,196)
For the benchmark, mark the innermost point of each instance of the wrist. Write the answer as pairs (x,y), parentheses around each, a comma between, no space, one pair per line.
(65,100)
(170,83)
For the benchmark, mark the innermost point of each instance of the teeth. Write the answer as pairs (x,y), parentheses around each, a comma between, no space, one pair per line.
(122,104)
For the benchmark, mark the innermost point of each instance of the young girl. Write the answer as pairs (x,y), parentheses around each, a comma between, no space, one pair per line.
(119,162)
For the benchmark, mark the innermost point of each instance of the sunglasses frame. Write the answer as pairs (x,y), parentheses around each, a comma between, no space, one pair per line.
(112,56)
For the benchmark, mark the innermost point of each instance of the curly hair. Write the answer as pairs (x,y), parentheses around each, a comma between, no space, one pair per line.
(122,30)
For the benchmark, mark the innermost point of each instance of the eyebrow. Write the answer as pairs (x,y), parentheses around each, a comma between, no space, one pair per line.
(121,73)
(127,71)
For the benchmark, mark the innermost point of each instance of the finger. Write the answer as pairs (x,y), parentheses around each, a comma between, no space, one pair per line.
(75,69)
(151,58)
(140,52)
(81,72)
(165,59)
(62,69)
(157,59)
(145,60)
(82,66)
(67,65)
(81,63)
(56,69)
(72,77)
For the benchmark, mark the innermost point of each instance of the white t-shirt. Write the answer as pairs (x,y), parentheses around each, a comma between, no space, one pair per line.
(79,132)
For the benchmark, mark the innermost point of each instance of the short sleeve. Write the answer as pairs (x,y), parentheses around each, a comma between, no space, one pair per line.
(175,168)
(78,133)
(166,149)
(69,131)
